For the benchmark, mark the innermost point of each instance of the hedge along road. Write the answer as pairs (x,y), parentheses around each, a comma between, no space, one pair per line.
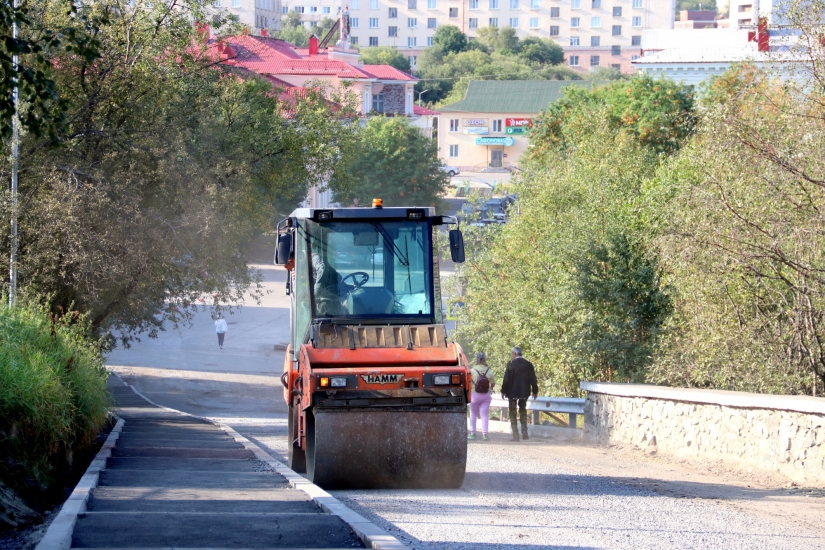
(535,494)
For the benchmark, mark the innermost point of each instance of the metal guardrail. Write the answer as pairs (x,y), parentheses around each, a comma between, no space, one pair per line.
(571,406)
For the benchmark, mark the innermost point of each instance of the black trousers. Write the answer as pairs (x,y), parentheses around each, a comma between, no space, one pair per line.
(220,338)
(522,414)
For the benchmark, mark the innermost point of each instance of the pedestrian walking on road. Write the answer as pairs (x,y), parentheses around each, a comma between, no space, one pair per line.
(519,382)
(220,328)
(484,380)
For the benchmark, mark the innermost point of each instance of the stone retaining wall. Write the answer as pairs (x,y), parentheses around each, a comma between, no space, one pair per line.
(780,434)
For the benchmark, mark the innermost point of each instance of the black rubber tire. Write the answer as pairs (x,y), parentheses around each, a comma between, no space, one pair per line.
(310,453)
(297,456)
(451,173)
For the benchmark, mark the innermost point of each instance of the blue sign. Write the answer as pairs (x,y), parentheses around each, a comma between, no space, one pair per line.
(506,141)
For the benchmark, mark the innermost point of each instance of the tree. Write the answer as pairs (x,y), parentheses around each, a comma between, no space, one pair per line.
(395,162)
(170,165)
(705,5)
(541,51)
(450,39)
(504,41)
(385,55)
(297,36)
(293,19)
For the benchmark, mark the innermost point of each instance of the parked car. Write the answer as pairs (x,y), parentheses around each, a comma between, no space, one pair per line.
(451,170)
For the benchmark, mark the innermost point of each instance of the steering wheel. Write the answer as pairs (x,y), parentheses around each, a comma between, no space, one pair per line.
(357,284)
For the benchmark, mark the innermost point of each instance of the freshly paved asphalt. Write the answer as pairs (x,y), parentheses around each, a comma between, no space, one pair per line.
(174,481)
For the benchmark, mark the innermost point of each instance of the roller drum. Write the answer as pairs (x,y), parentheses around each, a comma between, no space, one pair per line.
(387,449)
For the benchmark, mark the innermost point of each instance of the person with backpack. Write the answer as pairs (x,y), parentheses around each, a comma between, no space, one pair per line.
(484,380)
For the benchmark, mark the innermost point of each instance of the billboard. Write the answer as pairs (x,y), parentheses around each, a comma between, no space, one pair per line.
(518,122)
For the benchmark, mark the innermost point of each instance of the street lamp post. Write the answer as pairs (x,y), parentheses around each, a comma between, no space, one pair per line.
(419,96)
(15,153)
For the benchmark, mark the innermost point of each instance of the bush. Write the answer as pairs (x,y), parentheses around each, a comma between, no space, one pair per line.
(53,397)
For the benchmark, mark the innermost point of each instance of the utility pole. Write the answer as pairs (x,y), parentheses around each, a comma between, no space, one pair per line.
(15,153)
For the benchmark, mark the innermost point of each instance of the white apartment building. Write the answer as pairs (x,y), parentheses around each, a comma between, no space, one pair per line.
(593,33)
(255,14)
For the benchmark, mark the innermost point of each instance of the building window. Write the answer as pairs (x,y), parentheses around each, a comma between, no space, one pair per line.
(412,60)
(554,12)
(634,57)
(373,4)
(284,9)
(313,9)
(574,40)
(373,22)
(354,4)
(373,40)
(378,103)
(595,22)
(594,60)
(412,4)
(596,4)
(217,3)
(617,30)
(235,4)
(575,4)
(535,4)
(513,4)
(299,9)
(534,22)
(429,40)
(617,11)
(554,30)
(453,12)
(431,24)
(392,31)
(615,50)
(616,66)
(353,40)
(575,22)
(432,4)
(637,3)
(637,21)
(497,126)
(327,10)
(473,4)
(595,41)
(353,22)
(453,151)
(393,13)
(412,42)
(635,40)
(493,4)
(412,22)
(574,60)
(514,22)
(454,125)
(493,21)
(473,22)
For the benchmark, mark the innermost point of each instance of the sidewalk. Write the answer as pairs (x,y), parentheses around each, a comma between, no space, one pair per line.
(177,481)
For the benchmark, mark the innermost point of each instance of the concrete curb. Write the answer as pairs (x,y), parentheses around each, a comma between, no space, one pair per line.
(59,534)
(370,534)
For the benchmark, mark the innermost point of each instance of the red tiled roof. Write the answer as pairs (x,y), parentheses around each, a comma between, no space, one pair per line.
(422,111)
(385,72)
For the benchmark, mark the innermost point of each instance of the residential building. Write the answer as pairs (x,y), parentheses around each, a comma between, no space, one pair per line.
(255,14)
(593,33)
(490,127)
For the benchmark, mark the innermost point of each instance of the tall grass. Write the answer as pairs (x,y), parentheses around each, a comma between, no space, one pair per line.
(53,397)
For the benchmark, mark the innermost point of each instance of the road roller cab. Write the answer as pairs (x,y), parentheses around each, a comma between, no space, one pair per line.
(376,394)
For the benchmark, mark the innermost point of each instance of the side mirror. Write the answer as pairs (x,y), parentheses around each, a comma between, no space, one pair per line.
(456,246)
(283,250)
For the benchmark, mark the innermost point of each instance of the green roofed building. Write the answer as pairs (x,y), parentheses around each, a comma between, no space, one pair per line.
(490,127)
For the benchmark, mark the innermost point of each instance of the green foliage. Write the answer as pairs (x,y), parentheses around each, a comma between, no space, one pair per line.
(53,396)
(573,277)
(445,70)
(450,39)
(166,173)
(393,161)
(693,5)
(297,36)
(293,19)
(385,55)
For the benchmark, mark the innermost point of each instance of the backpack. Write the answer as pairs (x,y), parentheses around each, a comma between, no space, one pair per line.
(482,384)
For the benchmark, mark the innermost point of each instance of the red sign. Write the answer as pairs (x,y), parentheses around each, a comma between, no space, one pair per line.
(518,122)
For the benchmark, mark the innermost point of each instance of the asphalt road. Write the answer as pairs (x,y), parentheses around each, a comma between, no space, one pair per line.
(534,494)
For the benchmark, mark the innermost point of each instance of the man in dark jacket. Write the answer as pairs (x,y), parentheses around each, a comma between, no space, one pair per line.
(519,382)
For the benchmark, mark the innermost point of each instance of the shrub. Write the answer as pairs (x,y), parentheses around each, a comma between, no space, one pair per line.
(53,397)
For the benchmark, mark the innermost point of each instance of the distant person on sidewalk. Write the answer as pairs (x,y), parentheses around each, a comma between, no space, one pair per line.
(220,328)
(519,382)
(484,380)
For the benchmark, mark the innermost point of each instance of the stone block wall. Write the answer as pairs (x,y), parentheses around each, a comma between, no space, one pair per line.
(779,434)
(395,98)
